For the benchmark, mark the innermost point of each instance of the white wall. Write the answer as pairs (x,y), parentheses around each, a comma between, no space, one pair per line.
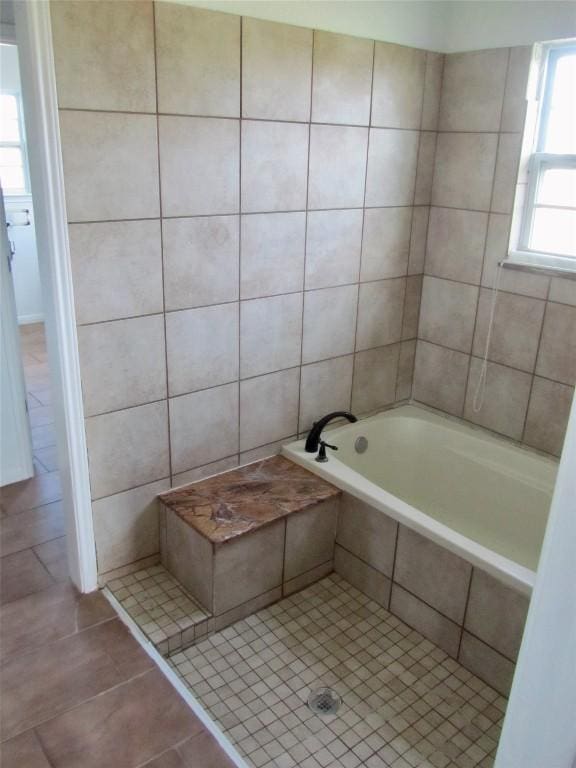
(26,277)
(438,25)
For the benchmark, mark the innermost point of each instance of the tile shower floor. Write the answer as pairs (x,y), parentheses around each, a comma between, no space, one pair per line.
(405,703)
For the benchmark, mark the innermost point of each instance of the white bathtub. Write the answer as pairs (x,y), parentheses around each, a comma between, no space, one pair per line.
(478,495)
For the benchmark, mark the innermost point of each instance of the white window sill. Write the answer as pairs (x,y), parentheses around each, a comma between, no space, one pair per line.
(541,262)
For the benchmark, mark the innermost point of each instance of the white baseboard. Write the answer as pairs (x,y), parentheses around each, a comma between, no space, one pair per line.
(29,319)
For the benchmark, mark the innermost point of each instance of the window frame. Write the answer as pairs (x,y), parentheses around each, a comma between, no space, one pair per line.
(21,145)
(538,162)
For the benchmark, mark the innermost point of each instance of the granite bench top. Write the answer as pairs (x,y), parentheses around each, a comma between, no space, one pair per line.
(242,500)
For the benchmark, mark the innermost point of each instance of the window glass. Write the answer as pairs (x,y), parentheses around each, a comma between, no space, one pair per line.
(560,131)
(554,231)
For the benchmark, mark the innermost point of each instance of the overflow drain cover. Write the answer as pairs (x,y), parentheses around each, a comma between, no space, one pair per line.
(324,701)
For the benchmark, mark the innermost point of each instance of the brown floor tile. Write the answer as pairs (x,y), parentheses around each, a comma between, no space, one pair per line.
(48,457)
(39,469)
(41,416)
(43,395)
(54,556)
(35,492)
(50,680)
(123,727)
(47,616)
(24,751)
(203,751)
(43,437)
(32,527)
(22,574)
(170,759)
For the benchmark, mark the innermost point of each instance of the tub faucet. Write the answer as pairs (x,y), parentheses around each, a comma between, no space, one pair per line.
(313,439)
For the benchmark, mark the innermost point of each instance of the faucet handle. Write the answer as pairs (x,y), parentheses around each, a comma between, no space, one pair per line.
(322,458)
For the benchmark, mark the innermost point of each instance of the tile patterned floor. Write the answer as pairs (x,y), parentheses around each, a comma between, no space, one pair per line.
(406,704)
(74,681)
(159,605)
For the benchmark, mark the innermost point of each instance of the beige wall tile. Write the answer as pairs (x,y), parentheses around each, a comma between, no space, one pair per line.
(329,322)
(432,90)
(505,402)
(201,261)
(548,414)
(279,392)
(362,576)
(199,165)
(412,302)
(386,242)
(375,375)
(118,153)
(367,533)
(447,313)
(455,247)
(337,166)
(557,353)
(418,237)
(248,566)
(464,170)
(265,451)
(324,387)
(276,70)
(514,109)
(270,334)
(274,166)
(247,609)
(563,291)
(425,168)
(202,347)
(473,90)
(406,369)
(310,538)
(127,448)
(380,306)
(116,269)
(432,573)
(95,69)
(435,627)
(486,663)
(342,81)
(305,579)
(398,86)
(512,280)
(496,613)
(198,61)
(272,259)
(190,559)
(506,173)
(126,525)
(122,363)
(200,473)
(333,243)
(203,427)
(515,331)
(392,157)
(440,377)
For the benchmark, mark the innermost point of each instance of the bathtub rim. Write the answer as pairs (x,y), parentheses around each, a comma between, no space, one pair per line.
(350,481)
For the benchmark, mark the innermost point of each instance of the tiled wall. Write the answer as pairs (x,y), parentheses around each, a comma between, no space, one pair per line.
(532,370)
(247,207)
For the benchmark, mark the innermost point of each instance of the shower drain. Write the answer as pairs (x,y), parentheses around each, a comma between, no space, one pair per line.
(324,701)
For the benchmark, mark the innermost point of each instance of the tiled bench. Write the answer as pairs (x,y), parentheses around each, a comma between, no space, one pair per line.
(243,539)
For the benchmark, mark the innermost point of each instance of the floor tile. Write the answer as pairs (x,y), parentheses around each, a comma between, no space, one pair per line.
(405,703)
(43,436)
(48,457)
(42,416)
(47,616)
(22,574)
(32,493)
(31,527)
(124,727)
(54,557)
(70,670)
(24,751)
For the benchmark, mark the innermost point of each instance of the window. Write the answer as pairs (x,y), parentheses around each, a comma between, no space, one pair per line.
(13,174)
(547,236)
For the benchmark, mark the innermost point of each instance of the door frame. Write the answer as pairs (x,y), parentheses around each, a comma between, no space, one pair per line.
(35,54)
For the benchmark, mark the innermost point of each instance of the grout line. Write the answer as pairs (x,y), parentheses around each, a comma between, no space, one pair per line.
(166,371)
(538,346)
(241,72)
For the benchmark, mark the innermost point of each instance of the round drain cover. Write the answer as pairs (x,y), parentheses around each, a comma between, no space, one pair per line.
(361,444)
(324,701)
